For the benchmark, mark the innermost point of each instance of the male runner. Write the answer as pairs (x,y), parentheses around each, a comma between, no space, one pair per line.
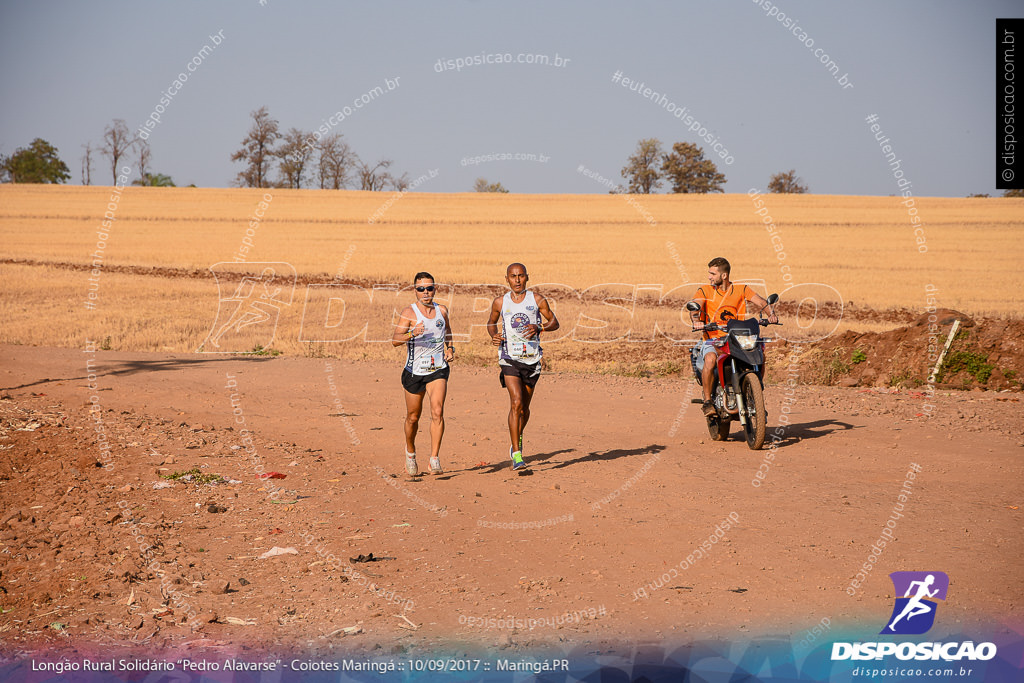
(518,338)
(715,298)
(425,330)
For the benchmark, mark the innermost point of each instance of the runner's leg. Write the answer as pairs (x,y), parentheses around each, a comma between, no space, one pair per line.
(515,412)
(436,392)
(413,408)
(527,398)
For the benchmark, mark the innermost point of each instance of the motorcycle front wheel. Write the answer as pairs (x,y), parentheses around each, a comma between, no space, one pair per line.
(757,415)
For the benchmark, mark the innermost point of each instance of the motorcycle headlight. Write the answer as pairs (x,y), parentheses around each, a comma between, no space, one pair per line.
(747,341)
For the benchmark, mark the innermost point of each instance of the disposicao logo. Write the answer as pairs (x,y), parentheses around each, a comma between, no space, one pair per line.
(914,613)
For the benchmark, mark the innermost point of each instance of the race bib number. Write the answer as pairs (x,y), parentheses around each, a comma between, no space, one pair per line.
(428,363)
(520,348)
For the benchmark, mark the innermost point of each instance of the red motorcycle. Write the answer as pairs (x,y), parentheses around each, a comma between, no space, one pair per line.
(737,389)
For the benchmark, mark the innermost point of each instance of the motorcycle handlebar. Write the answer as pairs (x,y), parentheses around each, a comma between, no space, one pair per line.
(715,327)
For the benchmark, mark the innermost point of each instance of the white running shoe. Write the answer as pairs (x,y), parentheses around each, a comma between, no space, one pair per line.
(435,466)
(410,464)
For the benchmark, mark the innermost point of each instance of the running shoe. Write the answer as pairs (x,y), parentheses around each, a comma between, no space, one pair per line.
(517,459)
(410,464)
(435,466)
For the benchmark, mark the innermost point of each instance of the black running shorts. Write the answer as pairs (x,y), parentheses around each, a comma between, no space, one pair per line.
(527,373)
(417,384)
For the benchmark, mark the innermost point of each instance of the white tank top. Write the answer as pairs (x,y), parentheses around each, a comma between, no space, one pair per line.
(426,351)
(513,317)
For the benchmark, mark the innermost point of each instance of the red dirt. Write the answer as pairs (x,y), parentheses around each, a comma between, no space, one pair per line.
(905,357)
(627,459)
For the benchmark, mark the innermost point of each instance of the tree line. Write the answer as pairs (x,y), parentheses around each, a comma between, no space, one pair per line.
(299,157)
(686,170)
(295,158)
(40,162)
(117,144)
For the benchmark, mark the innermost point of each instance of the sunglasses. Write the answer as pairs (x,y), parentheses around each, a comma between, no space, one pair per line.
(428,288)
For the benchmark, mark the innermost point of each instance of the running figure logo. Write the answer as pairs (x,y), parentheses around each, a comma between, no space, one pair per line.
(914,613)
(518,322)
(248,316)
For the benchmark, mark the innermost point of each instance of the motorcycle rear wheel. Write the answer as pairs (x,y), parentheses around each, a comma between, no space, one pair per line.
(757,415)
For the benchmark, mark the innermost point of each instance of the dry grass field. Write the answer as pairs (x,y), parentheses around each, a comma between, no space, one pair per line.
(155,291)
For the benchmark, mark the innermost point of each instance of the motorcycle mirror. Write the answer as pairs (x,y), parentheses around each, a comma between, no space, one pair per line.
(692,306)
(772,298)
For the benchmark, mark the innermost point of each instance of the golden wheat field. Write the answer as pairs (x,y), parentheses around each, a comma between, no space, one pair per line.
(617,267)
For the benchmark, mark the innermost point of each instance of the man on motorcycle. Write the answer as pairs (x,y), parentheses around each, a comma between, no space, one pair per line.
(718,297)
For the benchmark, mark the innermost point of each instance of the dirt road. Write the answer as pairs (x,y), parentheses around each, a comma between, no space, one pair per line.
(630,524)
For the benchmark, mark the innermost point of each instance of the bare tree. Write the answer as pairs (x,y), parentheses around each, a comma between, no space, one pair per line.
(401,183)
(373,178)
(336,162)
(641,173)
(145,154)
(786,183)
(257,150)
(117,140)
(295,155)
(87,164)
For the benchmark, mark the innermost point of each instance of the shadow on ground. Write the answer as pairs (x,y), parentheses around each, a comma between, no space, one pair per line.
(134,367)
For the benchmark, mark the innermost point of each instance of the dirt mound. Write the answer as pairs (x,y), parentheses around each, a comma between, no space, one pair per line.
(986,354)
(835,310)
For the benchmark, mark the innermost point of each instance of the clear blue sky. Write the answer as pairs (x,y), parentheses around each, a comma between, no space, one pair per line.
(925,68)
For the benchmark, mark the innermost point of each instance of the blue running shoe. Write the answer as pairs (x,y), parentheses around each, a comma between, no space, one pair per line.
(517,460)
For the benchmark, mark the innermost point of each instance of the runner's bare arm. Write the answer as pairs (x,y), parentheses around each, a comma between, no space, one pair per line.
(404,330)
(550,321)
(449,348)
(492,322)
